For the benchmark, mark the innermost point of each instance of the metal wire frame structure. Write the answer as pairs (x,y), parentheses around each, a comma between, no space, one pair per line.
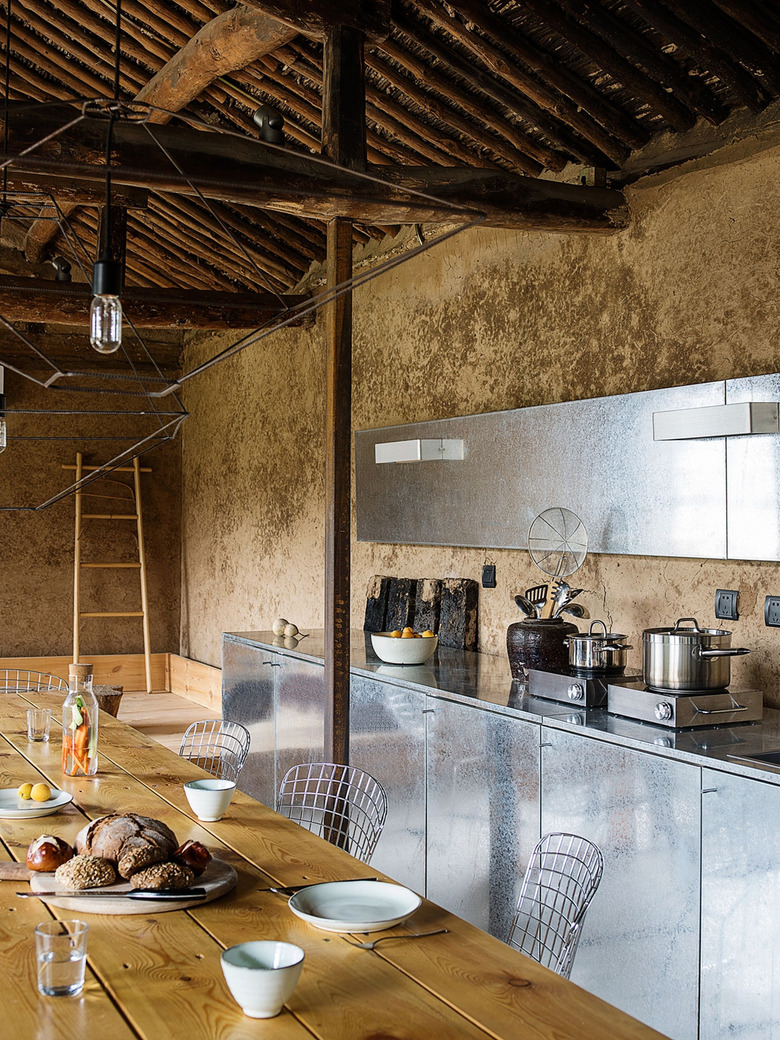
(217,746)
(22,680)
(342,804)
(560,881)
(154,385)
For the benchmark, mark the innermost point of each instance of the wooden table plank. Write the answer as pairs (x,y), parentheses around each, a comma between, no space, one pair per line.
(163,969)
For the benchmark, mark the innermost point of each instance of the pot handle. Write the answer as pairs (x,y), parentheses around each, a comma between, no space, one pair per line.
(612,646)
(686,629)
(734,651)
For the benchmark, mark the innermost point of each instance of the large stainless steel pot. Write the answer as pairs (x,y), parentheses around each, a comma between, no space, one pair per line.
(688,658)
(602,653)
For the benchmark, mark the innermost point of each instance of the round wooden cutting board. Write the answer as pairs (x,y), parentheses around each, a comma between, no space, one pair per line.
(218,878)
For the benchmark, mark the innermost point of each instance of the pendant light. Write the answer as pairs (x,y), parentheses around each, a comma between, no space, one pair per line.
(105,312)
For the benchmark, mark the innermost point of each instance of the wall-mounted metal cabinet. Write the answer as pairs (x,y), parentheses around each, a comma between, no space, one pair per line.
(635,495)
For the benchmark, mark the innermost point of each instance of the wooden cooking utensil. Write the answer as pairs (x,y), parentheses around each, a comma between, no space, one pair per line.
(550,601)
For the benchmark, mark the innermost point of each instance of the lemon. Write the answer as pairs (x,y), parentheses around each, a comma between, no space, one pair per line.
(407,634)
(40,793)
(25,791)
(427,634)
(395,634)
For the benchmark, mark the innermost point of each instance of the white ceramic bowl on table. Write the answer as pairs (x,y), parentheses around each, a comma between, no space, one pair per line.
(397,650)
(209,798)
(262,975)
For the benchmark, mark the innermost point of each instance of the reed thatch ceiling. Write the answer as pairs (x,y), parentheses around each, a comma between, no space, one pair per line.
(529,87)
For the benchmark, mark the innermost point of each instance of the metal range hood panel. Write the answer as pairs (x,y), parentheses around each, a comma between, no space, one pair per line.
(753,468)
(636,496)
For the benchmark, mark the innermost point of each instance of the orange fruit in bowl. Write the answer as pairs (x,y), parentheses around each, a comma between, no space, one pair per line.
(427,634)
(396,634)
(407,633)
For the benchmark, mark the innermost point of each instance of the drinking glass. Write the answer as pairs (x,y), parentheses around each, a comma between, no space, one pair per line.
(38,723)
(61,953)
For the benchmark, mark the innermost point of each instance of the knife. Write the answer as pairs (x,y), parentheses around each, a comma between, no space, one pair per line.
(136,893)
(296,888)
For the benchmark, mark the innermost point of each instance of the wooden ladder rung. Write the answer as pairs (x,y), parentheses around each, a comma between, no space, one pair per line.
(111,613)
(109,516)
(135,565)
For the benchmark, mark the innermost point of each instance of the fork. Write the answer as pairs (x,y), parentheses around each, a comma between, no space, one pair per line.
(372,944)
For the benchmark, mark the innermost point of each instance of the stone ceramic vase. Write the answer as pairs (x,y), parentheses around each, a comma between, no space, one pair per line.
(538,643)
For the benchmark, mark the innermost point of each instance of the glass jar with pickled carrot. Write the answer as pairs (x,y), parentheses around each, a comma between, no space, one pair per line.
(80,724)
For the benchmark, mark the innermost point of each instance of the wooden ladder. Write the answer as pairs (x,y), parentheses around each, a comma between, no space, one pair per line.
(140,566)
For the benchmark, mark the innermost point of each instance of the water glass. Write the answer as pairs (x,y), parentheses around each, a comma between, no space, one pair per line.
(38,723)
(61,952)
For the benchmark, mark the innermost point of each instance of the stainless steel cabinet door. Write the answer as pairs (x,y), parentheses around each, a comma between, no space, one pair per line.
(248,698)
(740,935)
(387,739)
(483,811)
(300,713)
(640,942)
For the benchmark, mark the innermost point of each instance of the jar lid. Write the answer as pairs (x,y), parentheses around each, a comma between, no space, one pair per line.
(80,671)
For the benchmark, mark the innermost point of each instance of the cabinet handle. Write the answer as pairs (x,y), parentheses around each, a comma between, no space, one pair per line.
(429,711)
(709,790)
(272,664)
(548,744)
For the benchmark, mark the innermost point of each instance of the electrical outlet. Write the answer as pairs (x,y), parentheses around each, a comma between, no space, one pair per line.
(726,604)
(772,611)
(489,576)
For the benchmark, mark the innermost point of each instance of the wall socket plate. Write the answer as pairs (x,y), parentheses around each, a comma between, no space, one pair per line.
(489,576)
(772,611)
(726,604)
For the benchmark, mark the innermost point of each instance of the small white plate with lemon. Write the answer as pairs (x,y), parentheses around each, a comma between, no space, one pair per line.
(14,805)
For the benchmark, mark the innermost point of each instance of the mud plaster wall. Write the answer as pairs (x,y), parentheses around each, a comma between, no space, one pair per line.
(488,321)
(37,548)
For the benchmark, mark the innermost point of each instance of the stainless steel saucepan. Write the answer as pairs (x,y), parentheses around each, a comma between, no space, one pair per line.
(688,657)
(598,653)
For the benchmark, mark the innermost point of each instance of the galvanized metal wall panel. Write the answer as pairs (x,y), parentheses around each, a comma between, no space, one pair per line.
(483,811)
(740,935)
(248,698)
(387,739)
(753,467)
(640,941)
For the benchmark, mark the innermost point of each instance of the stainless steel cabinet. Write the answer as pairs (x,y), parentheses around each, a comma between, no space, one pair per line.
(640,944)
(248,697)
(280,700)
(740,934)
(483,810)
(387,739)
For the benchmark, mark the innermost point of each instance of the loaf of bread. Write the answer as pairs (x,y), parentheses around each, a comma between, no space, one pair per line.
(163,876)
(85,872)
(48,853)
(130,841)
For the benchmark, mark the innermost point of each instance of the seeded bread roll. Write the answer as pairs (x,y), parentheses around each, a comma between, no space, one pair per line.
(85,872)
(129,840)
(163,876)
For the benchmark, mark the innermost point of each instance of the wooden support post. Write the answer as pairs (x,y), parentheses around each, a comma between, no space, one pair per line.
(77,561)
(343,141)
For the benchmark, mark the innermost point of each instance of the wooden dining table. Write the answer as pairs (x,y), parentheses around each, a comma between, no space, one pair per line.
(157,975)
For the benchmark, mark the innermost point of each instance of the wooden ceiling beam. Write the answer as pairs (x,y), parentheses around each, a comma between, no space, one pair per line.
(237,171)
(554,117)
(60,303)
(317,17)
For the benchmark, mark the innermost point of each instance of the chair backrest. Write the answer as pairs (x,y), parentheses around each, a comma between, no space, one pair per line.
(561,879)
(217,746)
(21,680)
(344,805)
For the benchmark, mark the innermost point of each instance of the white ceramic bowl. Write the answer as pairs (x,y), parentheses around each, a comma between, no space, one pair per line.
(261,975)
(209,798)
(396,650)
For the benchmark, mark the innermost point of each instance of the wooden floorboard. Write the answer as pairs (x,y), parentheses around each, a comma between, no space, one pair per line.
(161,716)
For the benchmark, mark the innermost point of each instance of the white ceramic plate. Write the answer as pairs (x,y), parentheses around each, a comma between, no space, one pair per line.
(354,906)
(12,807)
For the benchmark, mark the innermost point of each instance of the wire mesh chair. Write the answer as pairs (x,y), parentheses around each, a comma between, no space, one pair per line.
(217,746)
(21,680)
(342,804)
(561,879)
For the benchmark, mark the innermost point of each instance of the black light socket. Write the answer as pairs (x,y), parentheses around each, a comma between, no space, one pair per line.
(107,278)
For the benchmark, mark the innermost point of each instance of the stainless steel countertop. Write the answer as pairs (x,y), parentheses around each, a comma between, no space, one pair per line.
(485,681)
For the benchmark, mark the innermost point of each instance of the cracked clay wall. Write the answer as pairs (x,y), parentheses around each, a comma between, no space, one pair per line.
(37,547)
(490,320)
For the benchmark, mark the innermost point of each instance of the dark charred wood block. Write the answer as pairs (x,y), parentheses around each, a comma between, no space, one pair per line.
(400,603)
(427,605)
(458,616)
(376,604)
